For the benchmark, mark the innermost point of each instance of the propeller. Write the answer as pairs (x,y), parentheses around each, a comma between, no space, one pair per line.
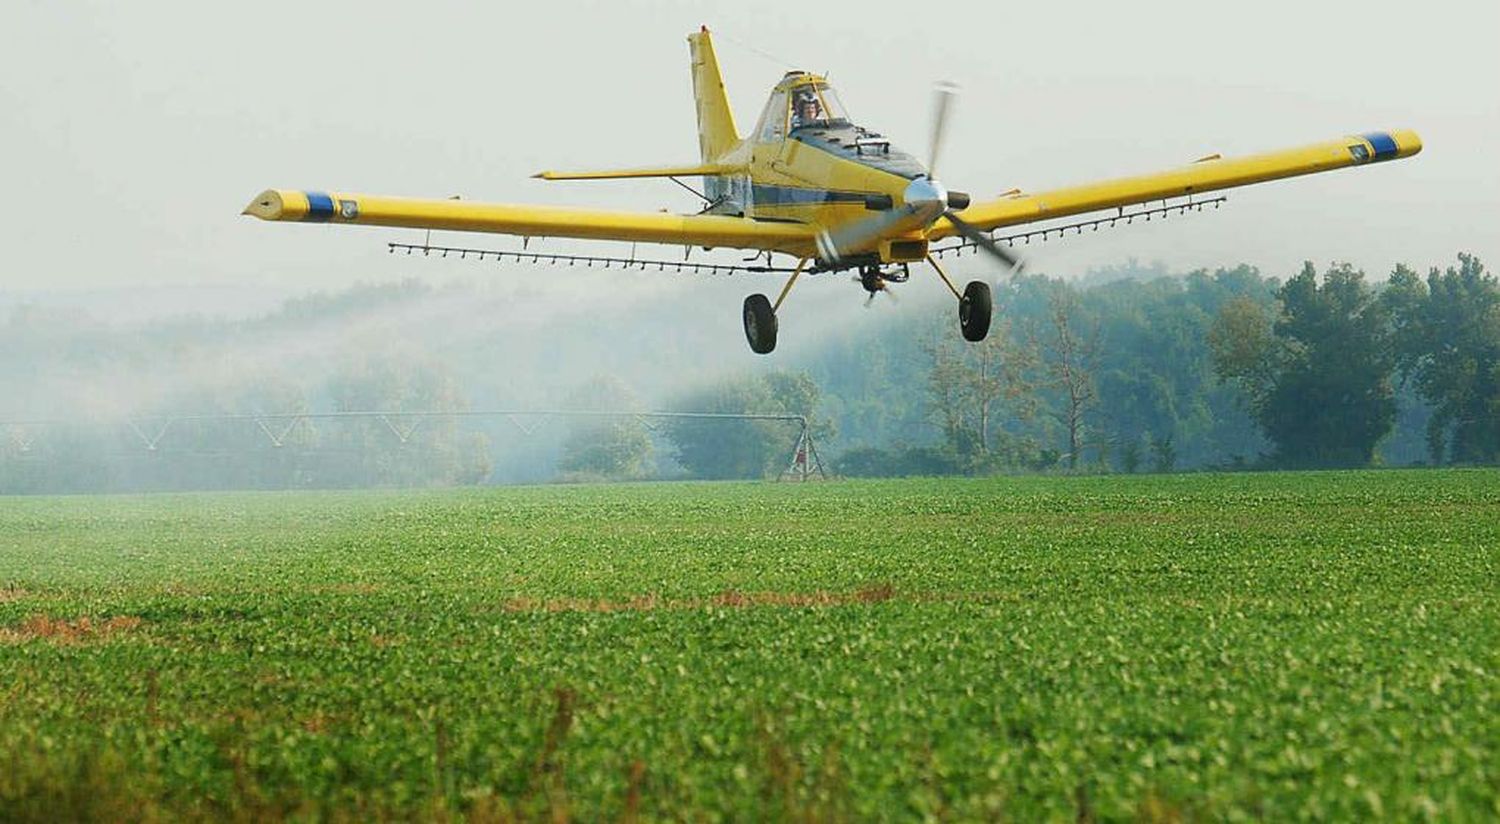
(880,286)
(942,101)
(887,291)
(924,202)
(974,235)
(943,96)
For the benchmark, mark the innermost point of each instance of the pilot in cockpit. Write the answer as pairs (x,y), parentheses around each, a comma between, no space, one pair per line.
(805,110)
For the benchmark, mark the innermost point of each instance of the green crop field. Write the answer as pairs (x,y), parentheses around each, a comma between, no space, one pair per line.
(1261,646)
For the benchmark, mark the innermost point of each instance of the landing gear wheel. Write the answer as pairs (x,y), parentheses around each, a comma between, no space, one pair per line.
(760,324)
(974,311)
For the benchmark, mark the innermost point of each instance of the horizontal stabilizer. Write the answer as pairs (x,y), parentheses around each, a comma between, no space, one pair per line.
(658,171)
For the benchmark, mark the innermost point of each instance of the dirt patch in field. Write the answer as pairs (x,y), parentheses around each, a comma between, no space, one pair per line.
(732,598)
(9,594)
(64,631)
(637,604)
(319,722)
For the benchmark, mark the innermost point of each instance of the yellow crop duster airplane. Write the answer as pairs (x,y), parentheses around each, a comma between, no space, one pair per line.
(809,183)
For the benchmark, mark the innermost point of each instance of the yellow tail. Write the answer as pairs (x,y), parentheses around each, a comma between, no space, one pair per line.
(716,132)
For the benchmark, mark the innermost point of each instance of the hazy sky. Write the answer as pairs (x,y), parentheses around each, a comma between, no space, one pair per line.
(134,133)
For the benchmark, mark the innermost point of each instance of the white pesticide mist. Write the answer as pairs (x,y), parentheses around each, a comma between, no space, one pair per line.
(506,336)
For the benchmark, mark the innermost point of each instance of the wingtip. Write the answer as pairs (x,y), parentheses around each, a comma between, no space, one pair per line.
(267,205)
(1408,142)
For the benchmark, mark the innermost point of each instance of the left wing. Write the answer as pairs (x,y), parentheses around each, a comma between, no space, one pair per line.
(1207,175)
(533,221)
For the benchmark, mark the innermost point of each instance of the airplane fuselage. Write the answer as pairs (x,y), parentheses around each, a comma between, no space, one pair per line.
(825,171)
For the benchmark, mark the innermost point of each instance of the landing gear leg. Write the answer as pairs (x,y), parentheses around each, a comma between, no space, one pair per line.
(974,305)
(760,315)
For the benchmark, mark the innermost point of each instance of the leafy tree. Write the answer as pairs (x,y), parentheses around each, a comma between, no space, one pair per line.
(1130,456)
(1069,355)
(401,450)
(614,448)
(1154,374)
(733,448)
(1447,341)
(1244,345)
(268,454)
(866,375)
(1319,383)
(1163,454)
(973,389)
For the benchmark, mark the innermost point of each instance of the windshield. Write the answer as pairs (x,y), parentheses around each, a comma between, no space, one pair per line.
(832,105)
(816,104)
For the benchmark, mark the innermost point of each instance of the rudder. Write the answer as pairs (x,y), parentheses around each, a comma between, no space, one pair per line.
(716,132)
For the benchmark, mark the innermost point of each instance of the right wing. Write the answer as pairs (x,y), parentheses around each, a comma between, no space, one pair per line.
(533,221)
(1207,175)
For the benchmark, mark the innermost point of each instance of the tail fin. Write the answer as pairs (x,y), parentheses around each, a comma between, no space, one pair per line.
(716,132)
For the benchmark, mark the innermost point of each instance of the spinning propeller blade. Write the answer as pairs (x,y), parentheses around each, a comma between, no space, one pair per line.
(944,94)
(883,289)
(942,100)
(834,245)
(983,241)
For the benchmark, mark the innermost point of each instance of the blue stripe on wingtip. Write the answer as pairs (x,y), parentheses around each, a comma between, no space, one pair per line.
(319,206)
(1384,145)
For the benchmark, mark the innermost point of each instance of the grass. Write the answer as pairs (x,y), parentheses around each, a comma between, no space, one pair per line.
(1276,646)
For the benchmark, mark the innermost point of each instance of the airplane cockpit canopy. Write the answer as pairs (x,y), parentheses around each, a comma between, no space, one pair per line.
(800,102)
(804,108)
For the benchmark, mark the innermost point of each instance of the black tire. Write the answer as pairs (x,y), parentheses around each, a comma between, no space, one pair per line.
(760,324)
(974,311)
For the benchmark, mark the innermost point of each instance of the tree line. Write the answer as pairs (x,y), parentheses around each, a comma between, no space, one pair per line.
(1129,370)
(1321,367)
(1226,369)
(1223,369)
